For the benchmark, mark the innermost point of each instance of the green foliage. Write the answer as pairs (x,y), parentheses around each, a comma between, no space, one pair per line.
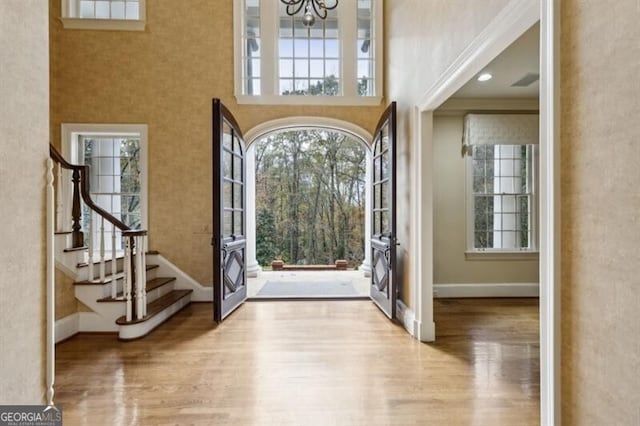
(313,182)
(330,87)
(129,175)
(266,238)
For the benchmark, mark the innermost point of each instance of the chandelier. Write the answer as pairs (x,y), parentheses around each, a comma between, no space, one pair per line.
(320,8)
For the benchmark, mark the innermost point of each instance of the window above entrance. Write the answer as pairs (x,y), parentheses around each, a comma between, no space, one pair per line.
(336,61)
(128,15)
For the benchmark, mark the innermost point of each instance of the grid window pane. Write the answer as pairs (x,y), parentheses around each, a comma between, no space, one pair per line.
(87,9)
(303,55)
(109,9)
(502,200)
(315,52)
(117,10)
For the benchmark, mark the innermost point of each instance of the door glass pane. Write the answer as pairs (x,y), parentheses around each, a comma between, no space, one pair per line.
(384,195)
(226,136)
(385,222)
(237,223)
(226,196)
(226,164)
(237,168)
(385,138)
(237,196)
(376,169)
(385,165)
(227,225)
(376,223)
(378,196)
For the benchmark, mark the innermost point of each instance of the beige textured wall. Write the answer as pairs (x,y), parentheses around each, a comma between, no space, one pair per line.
(600,135)
(24,134)
(422,38)
(66,302)
(449,217)
(165,77)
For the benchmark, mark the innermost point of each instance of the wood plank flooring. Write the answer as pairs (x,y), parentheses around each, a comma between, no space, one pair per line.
(310,363)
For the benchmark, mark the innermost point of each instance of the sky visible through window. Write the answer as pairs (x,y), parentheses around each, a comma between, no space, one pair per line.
(310,60)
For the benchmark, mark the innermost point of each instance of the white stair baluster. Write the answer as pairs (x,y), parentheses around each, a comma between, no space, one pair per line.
(114,263)
(139,278)
(128,278)
(103,273)
(90,244)
(143,255)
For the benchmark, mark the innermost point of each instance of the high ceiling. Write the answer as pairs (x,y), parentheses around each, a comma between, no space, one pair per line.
(514,63)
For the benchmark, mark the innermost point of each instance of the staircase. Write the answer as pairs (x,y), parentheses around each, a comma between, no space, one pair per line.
(122,285)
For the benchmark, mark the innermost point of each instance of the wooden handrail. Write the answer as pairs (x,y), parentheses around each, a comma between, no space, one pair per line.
(134,262)
(81,175)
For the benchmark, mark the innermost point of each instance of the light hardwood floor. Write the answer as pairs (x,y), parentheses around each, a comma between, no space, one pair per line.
(310,363)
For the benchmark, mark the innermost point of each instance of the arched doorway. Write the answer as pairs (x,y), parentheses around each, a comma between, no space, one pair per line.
(312,135)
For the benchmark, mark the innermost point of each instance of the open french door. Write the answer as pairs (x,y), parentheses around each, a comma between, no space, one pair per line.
(383,288)
(229,215)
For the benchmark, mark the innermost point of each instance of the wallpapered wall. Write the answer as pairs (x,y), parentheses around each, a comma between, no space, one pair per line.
(423,37)
(600,64)
(24,125)
(165,77)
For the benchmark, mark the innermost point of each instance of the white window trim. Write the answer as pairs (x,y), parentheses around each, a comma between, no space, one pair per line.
(472,253)
(268,68)
(71,21)
(71,132)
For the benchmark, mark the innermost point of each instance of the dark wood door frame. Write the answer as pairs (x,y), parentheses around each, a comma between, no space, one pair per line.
(384,285)
(229,213)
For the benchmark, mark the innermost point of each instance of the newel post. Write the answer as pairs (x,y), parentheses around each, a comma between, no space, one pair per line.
(76,227)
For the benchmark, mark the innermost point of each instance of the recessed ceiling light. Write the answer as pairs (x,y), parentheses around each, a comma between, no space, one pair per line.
(485,76)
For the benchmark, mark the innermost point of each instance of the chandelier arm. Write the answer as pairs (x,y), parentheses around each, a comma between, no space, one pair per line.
(324,5)
(322,13)
(294,6)
(319,7)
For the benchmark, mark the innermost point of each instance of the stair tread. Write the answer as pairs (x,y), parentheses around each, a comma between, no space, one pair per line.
(108,278)
(157,306)
(72,249)
(151,285)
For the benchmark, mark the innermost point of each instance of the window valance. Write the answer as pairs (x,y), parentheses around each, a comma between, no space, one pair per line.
(500,129)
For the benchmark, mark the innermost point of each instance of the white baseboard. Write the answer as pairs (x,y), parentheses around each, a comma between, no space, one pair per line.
(82,322)
(486,290)
(67,327)
(183,280)
(407,318)
(92,322)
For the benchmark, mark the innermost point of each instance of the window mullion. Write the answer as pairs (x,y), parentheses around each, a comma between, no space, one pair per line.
(348,33)
(269,35)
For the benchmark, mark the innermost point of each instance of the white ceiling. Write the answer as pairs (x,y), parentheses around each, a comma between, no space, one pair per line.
(520,58)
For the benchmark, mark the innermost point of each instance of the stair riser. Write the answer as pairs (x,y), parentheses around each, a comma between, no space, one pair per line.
(159,292)
(83,273)
(62,241)
(84,270)
(134,331)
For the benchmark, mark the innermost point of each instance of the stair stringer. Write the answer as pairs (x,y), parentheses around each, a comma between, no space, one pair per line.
(183,280)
